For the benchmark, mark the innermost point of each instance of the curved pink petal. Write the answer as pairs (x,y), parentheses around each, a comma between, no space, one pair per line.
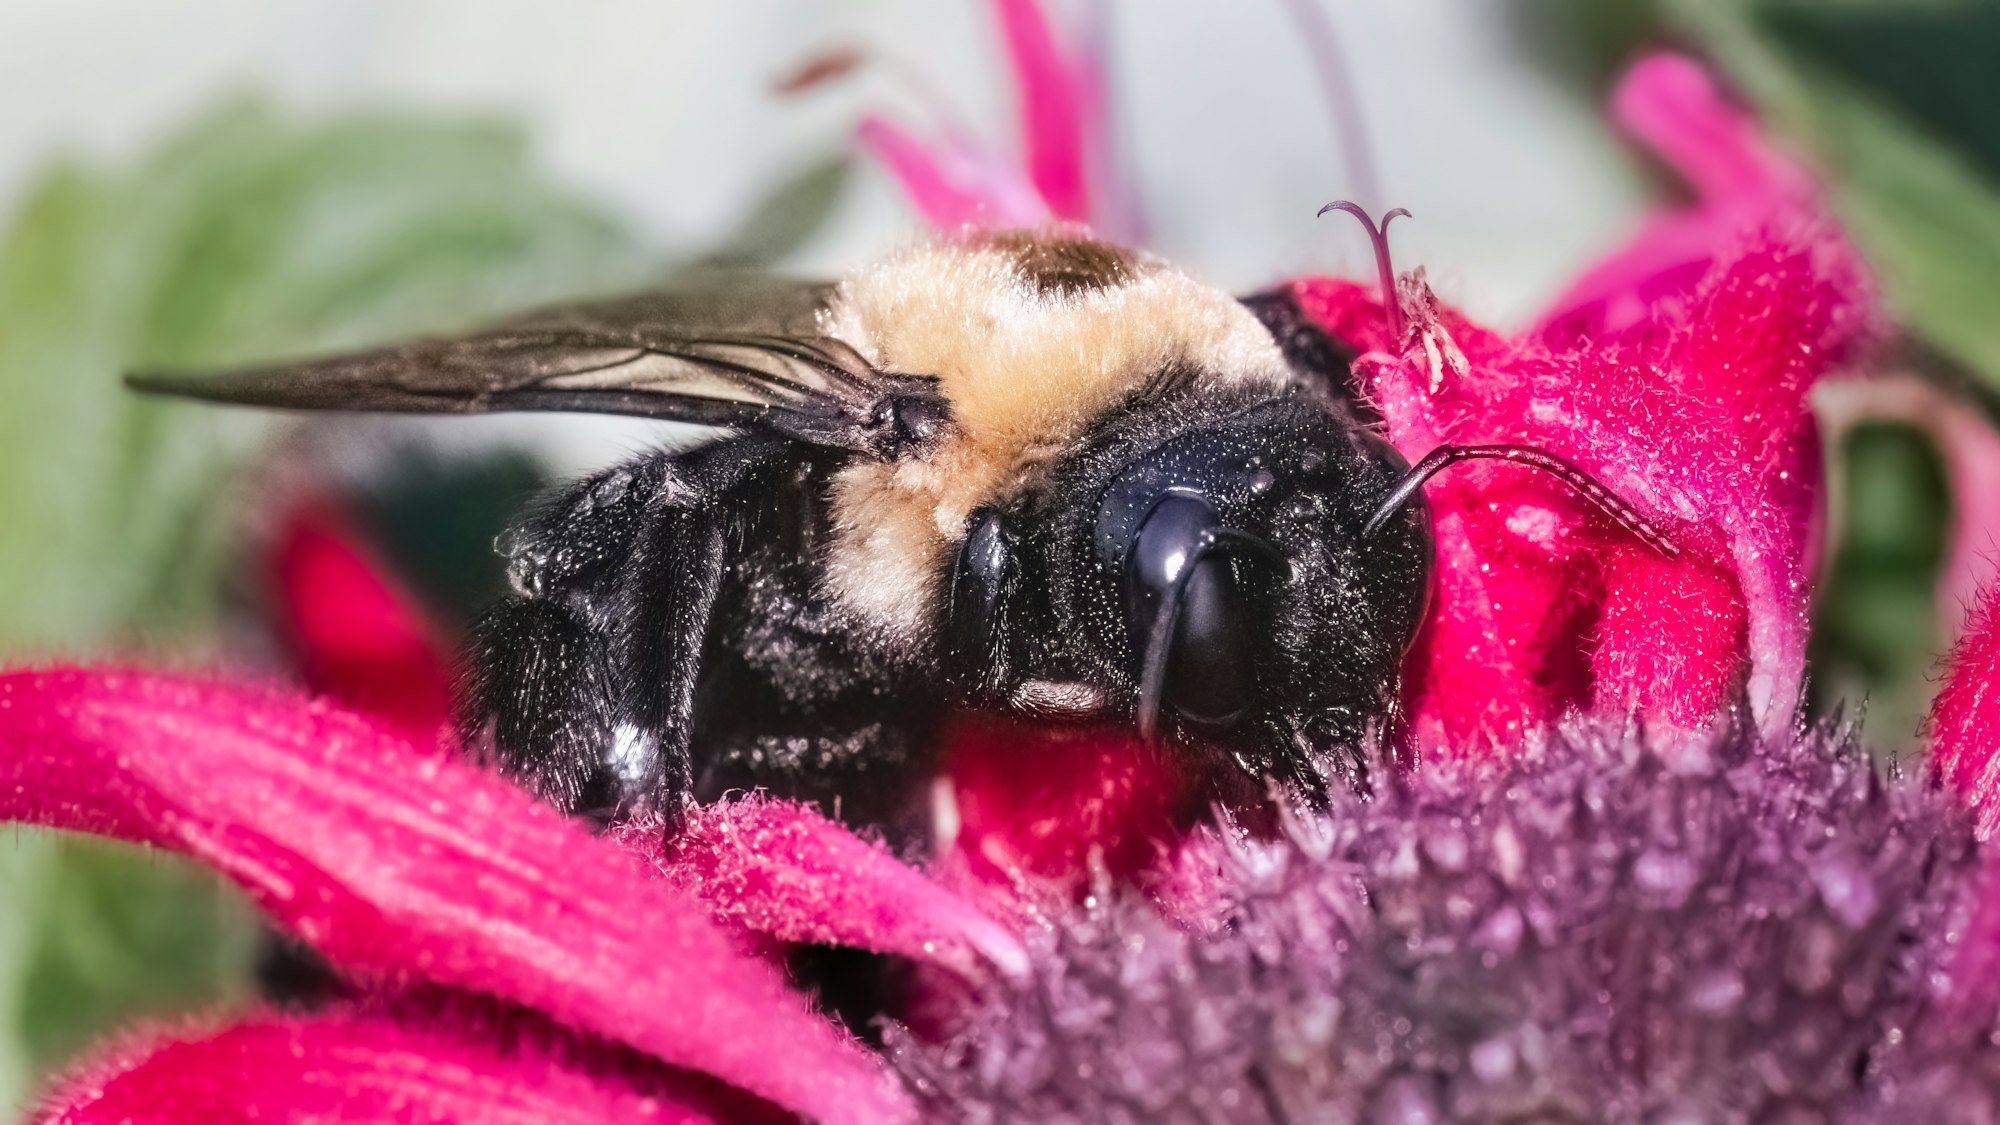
(368,1068)
(1056,96)
(1699,416)
(781,869)
(1964,724)
(354,635)
(953,183)
(1763,332)
(1678,374)
(1670,103)
(1970,447)
(1740,180)
(400,865)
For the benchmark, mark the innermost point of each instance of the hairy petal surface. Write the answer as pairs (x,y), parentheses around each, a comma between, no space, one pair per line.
(359,1068)
(1964,723)
(1692,404)
(780,869)
(402,866)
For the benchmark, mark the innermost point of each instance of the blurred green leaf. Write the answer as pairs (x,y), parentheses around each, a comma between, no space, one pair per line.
(122,931)
(1874,632)
(247,236)
(1583,42)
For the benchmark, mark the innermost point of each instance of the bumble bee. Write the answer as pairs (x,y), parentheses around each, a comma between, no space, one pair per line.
(1024,473)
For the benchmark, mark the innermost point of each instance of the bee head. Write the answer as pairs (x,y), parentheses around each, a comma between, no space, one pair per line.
(1212,582)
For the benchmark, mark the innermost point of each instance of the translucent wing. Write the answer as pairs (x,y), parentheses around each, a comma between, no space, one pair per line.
(743,352)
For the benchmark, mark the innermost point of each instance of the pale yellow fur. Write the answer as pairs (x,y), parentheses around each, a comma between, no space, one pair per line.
(1026,372)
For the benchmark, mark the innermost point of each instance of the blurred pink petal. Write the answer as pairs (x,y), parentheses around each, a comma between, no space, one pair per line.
(1964,726)
(953,183)
(783,870)
(1021,803)
(353,634)
(1740,181)
(1054,93)
(1069,170)
(397,865)
(370,1068)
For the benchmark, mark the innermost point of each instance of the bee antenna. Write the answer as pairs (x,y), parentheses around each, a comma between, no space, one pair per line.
(1446,456)
(1379,236)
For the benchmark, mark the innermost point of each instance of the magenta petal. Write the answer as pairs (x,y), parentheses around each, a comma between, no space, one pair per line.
(353,634)
(781,869)
(1764,331)
(1964,724)
(359,1069)
(1669,103)
(398,865)
(953,183)
(1055,97)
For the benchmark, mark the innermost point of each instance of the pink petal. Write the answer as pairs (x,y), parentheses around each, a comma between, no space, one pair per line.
(354,635)
(1698,415)
(1671,634)
(953,183)
(366,1068)
(1740,180)
(1774,321)
(1964,723)
(1348,311)
(1670,103)
(1055,96)
(399,865)
(781,869)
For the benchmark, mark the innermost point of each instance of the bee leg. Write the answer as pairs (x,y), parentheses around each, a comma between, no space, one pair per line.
(535,696)
(666,608)
(537,687)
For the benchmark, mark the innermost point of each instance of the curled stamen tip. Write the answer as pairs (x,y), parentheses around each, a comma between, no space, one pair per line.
(1378,234)
(1360,212)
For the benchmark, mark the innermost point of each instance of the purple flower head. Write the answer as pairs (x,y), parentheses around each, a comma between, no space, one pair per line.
(1610,925)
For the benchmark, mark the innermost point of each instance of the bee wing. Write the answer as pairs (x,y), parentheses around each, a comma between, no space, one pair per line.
(744,353)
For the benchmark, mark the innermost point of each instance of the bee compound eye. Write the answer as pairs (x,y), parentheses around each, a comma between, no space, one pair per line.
(979,578)
(1178,569)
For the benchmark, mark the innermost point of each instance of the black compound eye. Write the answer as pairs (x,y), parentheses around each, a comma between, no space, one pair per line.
(979,578)
(1191,621)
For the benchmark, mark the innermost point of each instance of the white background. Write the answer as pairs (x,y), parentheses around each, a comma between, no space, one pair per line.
(663,109)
